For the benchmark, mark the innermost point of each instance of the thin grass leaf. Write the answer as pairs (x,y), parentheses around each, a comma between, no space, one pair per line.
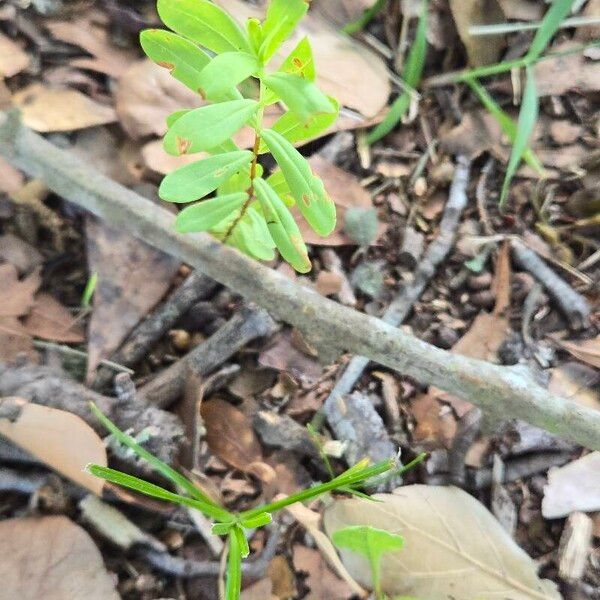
(158,465)
(233,585)
(362,21)
(509,127)
(155,491)
(555,15)
(527,120)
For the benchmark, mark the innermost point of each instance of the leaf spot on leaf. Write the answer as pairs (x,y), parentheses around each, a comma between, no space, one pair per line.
(183,145)
(306,199)
(166,65)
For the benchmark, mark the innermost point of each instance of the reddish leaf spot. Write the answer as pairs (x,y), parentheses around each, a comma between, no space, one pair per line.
(166,65)
(183,145)
(202,93)
(297,62)
(306,199)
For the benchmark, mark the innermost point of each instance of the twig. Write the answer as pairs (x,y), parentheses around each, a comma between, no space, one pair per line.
(246,325)
(196,287)
(500,390)
(572,304)
(401,306)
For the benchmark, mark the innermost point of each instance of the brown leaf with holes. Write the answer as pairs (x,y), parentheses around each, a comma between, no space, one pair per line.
(13,59)
(60,439)
(229,434)
(54,559)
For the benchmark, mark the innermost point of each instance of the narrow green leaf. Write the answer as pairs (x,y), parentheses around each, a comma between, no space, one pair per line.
(155,491)
(282,227)
(222,528)
(252,237)
(233,585)
(225,71)
(412,72)
(90,288)
(282,18)
(555,15)
(158,465)
(208,126)
(367,16)
(208,213)
(198,179)
(302,97)
(175,116)
(205,23)
(509,127)
(525,125)
(315,205)
(277,181)
(181,57)
(300,61)
(255,33)
(258,521)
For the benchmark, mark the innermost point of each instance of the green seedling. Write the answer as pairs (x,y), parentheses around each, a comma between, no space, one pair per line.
(227,64)
(229,524)
(373,544)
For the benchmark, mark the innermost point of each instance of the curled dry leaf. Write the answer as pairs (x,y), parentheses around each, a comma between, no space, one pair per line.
(12,58)
(60,439)
(454,547)
(46,109)
(54,559)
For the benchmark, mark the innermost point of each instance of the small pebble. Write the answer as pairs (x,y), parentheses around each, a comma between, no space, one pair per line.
(180,339)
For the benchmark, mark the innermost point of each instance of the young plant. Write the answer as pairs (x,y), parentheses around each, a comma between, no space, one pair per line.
(228,524)
(210,53)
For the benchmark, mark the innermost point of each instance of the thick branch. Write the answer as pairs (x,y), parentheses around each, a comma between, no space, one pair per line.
(504,391)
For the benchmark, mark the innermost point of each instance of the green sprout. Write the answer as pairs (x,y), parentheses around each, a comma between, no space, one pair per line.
(210,53)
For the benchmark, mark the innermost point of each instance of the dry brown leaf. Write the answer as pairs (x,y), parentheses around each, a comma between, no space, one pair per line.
(156,159)
(50,320)
(11,180)
(46,109)
(454,547)
(19,253)
(522,11)
(282,577)
(328,283)
(54,559)
(577,383)
(590,33)
(147,95)
(321,581)
(348,71)
(588,351)
(340,12)
(501,282)
(132,278)
(60,439)
(261,590)
(230,435)
(13,59)
(481,50)
(435,423)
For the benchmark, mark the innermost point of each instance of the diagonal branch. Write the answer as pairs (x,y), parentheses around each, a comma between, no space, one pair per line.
(504,391)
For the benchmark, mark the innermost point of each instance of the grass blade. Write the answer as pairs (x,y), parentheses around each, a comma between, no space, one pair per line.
(527,120)
(555,15)
(509,127)
(362,21)
(233,585)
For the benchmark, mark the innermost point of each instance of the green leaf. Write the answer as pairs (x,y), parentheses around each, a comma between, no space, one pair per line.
(258,521)
(194,181)
(208,213)
(208,126)
(412,72)
(175,116)
(555,15)
(282,18)
(233,585)
(308,191)
(277,181)
(158,465)
(300,61)
(302,97)
(509,127)
(282,227)
(205,23)
(254,29)
(239,182)
(370,542)
(224,72)
(252,236)
(155,491)
(181,57)
(525,125)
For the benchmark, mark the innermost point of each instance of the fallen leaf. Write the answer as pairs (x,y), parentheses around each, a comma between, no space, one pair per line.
(19,253)
(590,32)
(229,434)
(46,109)
(576,382)
(341,12)
(50,320)
(321,581)
(574,487)
(132,278)
(156,159)
(54,559)
(481,50)
(60,439)
(11,179)
(588,351)
(261,590)
(13,59)
(565,132)
(454,547)
(328,283)
(146,95)
(282,577)
(522,11)
(501,282)
(435,423)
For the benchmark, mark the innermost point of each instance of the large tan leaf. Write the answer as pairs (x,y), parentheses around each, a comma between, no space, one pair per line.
(13,59)
(51,559)
(60,439)
(454,547)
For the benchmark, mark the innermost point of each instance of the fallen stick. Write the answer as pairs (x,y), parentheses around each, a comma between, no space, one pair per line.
(246,325)
(502,391)
(147,334)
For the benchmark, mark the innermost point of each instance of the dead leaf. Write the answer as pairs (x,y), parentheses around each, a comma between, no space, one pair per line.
(13,59)
(588,351)
(157,160)
(147,95)
(435,422)
(229,434)
(454,547)
(340,12)
(46,109)
(54,559)
(522,11)
(574,487)
(576,382)
(501,282)
(11,180)
(261,590)
(478,132)
(60,439)
(481,50)
(284,582)
(328,283)
(19,253)
(132,278)
(50,320)
(591,32)
(321,581)
(565,132)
